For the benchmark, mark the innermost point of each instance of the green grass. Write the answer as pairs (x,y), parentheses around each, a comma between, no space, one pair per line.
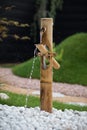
(72,56)
(74,60)
(24,69)
(19,100)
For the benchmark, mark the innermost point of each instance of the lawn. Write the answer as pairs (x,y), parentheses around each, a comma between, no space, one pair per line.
(20,100)
(72,56)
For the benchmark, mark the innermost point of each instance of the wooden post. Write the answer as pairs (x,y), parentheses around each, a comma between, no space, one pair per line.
(47,63)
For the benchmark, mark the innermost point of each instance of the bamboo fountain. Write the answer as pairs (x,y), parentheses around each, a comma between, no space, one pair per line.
(47,63)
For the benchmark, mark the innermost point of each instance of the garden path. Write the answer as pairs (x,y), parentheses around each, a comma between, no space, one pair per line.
(10,82)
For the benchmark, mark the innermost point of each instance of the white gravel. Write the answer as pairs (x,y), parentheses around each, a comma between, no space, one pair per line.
(20,118)
(55,94)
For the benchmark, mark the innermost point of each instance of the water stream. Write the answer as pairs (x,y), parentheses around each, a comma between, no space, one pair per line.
(30,77)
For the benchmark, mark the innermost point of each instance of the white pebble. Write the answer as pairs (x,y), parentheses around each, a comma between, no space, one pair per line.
(20,118)
(4,96)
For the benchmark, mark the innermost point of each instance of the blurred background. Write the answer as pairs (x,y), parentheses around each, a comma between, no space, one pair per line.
(20,24)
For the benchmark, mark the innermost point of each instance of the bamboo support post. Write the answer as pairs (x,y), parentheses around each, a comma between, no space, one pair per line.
(46,74)
(46,70)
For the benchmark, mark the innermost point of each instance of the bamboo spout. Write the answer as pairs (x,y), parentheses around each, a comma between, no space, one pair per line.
(44,51)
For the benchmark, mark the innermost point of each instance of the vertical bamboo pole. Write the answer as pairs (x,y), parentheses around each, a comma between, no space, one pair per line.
(46,73)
